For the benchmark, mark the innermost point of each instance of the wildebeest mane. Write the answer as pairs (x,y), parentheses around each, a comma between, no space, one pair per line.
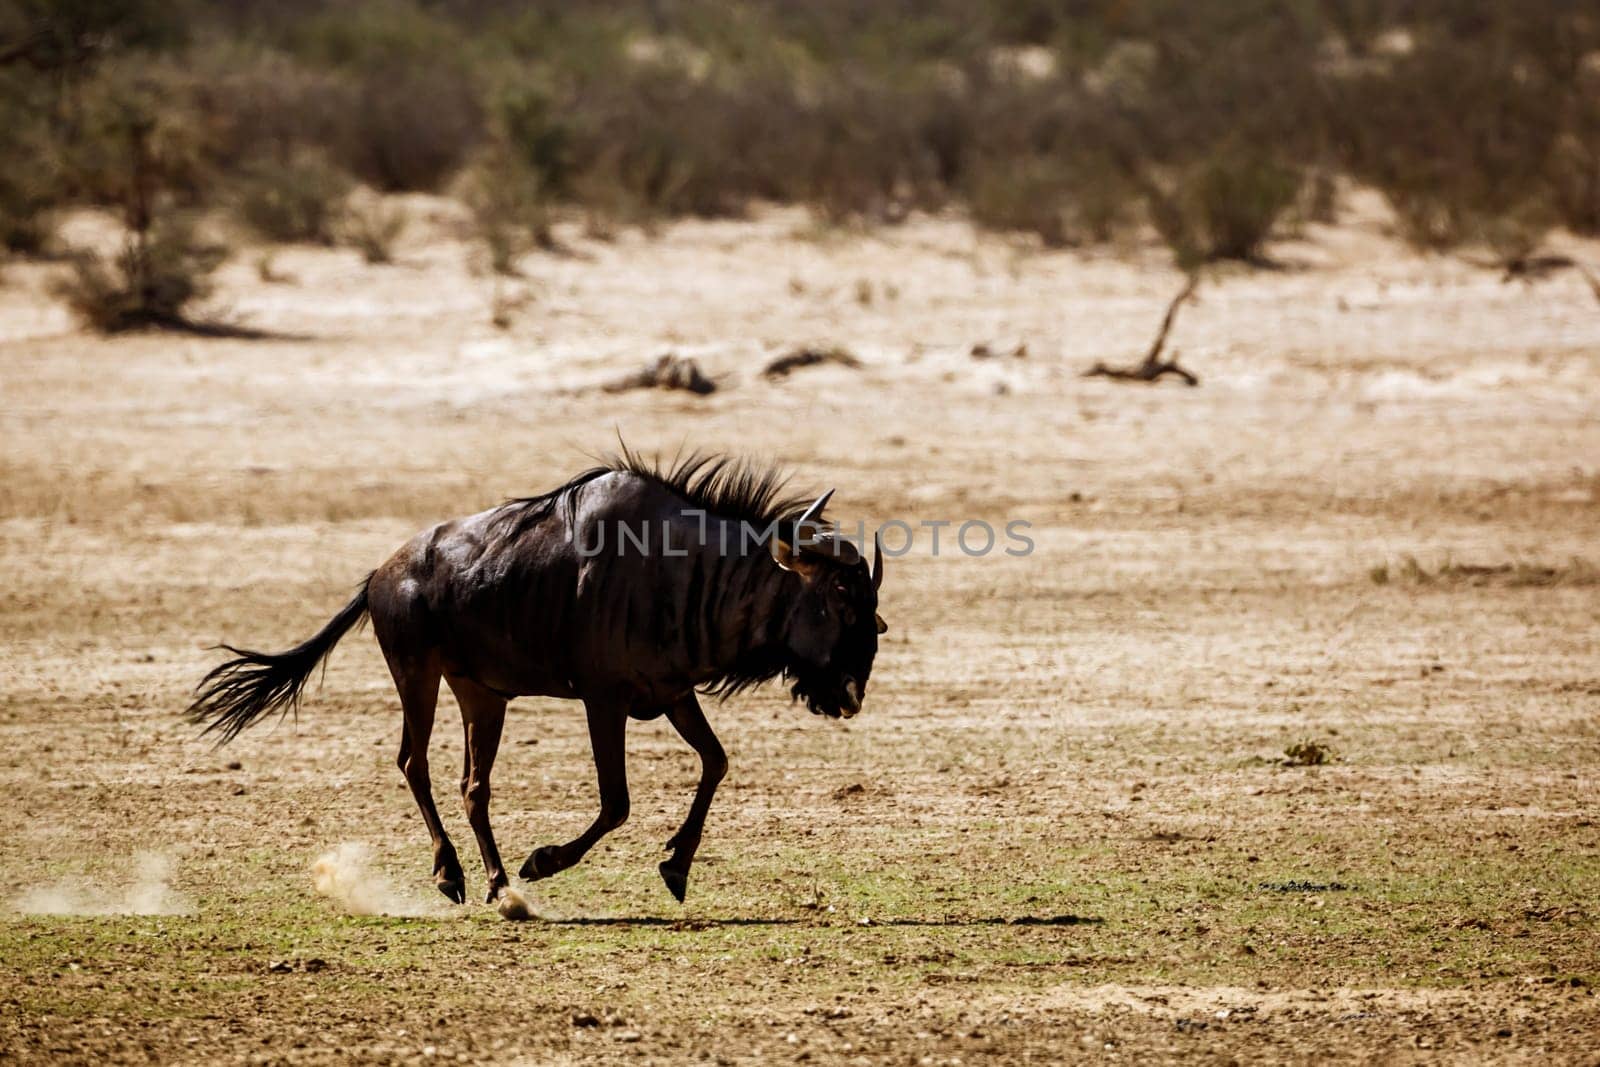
(725,486)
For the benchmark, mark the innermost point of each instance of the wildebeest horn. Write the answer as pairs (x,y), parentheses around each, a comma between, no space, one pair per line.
(877,560)
(815,510)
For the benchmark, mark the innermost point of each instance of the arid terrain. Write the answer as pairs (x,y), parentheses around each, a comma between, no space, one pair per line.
(1064,827)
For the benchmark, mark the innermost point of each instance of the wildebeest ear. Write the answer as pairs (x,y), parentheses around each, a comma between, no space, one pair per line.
(883,627)
(785,556)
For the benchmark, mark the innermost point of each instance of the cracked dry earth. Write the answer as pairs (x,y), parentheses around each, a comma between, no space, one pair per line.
(1062,829)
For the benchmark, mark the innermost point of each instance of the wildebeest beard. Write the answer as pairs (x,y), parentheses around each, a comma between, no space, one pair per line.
(822,690)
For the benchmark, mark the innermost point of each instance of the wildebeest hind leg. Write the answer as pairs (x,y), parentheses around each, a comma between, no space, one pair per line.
(607,734)
(691,724)
(417,681)
(483,714)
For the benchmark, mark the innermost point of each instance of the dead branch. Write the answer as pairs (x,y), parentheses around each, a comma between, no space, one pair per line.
(1534,267)
(1153,368)
(667,372)
(809,357)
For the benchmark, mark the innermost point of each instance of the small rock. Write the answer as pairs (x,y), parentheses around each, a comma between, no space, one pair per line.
(280,967)
(628,1037)
(313,965)
(235,765)
(584,1020)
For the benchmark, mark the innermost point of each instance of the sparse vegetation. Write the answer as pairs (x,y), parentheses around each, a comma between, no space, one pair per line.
(294,200)
(1307,754)
(1209,124)
(141,155)
(372,226)
(510,210)
(29,176)
(151,282)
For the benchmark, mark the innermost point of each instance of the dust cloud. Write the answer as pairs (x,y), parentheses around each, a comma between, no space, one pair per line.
(148,892)
(345,875)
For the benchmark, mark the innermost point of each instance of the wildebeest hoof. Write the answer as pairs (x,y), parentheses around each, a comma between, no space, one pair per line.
(453,889)
(677,881)
(495,889)
(541,864)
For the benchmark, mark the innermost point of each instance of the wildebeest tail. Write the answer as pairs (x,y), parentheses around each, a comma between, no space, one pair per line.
(237,693)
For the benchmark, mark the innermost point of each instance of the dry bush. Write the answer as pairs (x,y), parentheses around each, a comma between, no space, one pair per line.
(510,212)
(1575,158)
(1064,205)
(268,105)
(873,156)
(372,226)
(1458,135)
(1225,207)
(138,150)
(1479,126)
(1307,754)
(655,142)
(294,200)
(29,183)
(420,111)
(138,141)
(151,282)
(420,125)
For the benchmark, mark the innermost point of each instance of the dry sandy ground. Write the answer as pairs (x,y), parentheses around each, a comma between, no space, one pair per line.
(1062,827)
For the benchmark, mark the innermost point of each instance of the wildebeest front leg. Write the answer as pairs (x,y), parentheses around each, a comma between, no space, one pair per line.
(691,723)
(607,724)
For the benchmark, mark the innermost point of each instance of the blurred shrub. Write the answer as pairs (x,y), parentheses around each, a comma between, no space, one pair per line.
(138,142)
(65,37)
(1064,205)
(510,211)
(297,200)
(29,174)
(1457,134)
(152,281)
(419,109)
(262,104)
(419,125)
(372,226)
(1575,158)
(138,149)
(1225,206)
(870,159)
(1479,123)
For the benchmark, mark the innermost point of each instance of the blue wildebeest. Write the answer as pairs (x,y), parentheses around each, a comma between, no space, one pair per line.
(629,588)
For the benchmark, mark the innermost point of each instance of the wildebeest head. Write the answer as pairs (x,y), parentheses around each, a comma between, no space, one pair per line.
(831,633)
